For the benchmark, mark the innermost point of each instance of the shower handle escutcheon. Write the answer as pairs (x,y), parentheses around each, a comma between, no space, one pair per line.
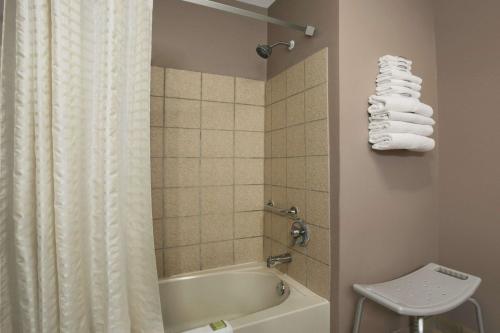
(299,233)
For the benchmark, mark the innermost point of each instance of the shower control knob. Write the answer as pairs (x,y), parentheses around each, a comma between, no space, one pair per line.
(299,233)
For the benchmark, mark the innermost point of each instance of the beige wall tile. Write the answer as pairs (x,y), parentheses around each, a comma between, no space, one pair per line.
(278,143)
(249,144)
(266,248)
(278,87)
(279,229)
(183,113)
(216,143)
(278,111)
(318,207)
(216,254)
(216,171)
(182,84)
(267,145)
(295,79)
(279,196)
(295,141)
(156,172)
(250,91)
(156,201)
(215,115)
(318,278)
(277,249)
(180,231)
(268,119)
(181,172)
(248,250)
(216,200)
(216,227)
(316,68)
(248,197)
(218,88)
(317,173)
(159,262)
(249,171)
(278,171)
(158,233)
(297,269)
(317,138)
(249,117)
(297,198)
(267,224)
(181,202)
(157,81)
(295,112)
(267,193)
(156,142)
(182,142)
(316,103)
(296,172)
(268,92)
(319,246)
(156,108)
(267,171)
(248,224)
(178,260)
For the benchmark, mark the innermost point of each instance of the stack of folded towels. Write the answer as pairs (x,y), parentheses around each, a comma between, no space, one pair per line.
(398,120)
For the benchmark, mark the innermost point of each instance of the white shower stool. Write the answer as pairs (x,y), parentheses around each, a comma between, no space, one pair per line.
(431,290)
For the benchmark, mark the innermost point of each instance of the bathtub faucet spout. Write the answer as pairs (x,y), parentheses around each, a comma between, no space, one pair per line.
(279,259)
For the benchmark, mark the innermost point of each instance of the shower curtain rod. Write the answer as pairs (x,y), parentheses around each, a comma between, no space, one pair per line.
(309,30)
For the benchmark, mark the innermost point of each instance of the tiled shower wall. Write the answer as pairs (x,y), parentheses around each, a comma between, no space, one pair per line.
(296,168)
(207,169)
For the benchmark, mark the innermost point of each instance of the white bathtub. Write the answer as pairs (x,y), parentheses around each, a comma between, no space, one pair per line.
(245,295)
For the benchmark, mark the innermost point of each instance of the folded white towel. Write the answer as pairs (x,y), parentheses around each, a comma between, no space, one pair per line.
(399,83)
(397,90)
(384,67)
(382,70)
(402,116)
(390,126)
(413,142)
(390,58)
(208,329)
(396,74)
(394,61)
(398,103)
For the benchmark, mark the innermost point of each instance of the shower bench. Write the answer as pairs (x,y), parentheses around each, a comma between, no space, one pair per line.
(429,291)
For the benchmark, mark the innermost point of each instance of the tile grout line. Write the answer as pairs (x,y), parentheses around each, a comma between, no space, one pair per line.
(200,205)
(163,176)
(234,165)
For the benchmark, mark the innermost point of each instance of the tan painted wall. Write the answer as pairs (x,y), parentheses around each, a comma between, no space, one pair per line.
(388,219)
(468,45)
(191,37)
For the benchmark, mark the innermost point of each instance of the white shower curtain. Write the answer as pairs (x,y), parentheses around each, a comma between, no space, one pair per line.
(76,240)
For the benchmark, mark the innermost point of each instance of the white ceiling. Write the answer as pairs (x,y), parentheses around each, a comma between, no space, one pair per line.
(260,3)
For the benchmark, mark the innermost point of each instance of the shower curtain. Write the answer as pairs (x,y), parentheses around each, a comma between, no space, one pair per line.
(76,239)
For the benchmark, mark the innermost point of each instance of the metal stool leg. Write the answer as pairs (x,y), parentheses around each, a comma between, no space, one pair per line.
(359,314)
(417,324)
(479,314)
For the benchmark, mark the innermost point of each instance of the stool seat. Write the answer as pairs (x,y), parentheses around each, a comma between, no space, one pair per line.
(431,290)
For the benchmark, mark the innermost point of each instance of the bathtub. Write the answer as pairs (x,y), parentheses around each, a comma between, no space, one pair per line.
(252,297)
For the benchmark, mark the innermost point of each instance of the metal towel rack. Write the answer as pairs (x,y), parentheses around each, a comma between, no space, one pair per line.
(291,212)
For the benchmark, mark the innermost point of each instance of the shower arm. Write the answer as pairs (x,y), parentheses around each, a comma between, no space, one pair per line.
(280,43)
(309,30)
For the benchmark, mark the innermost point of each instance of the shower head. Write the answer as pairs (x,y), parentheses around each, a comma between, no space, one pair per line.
(265,51)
